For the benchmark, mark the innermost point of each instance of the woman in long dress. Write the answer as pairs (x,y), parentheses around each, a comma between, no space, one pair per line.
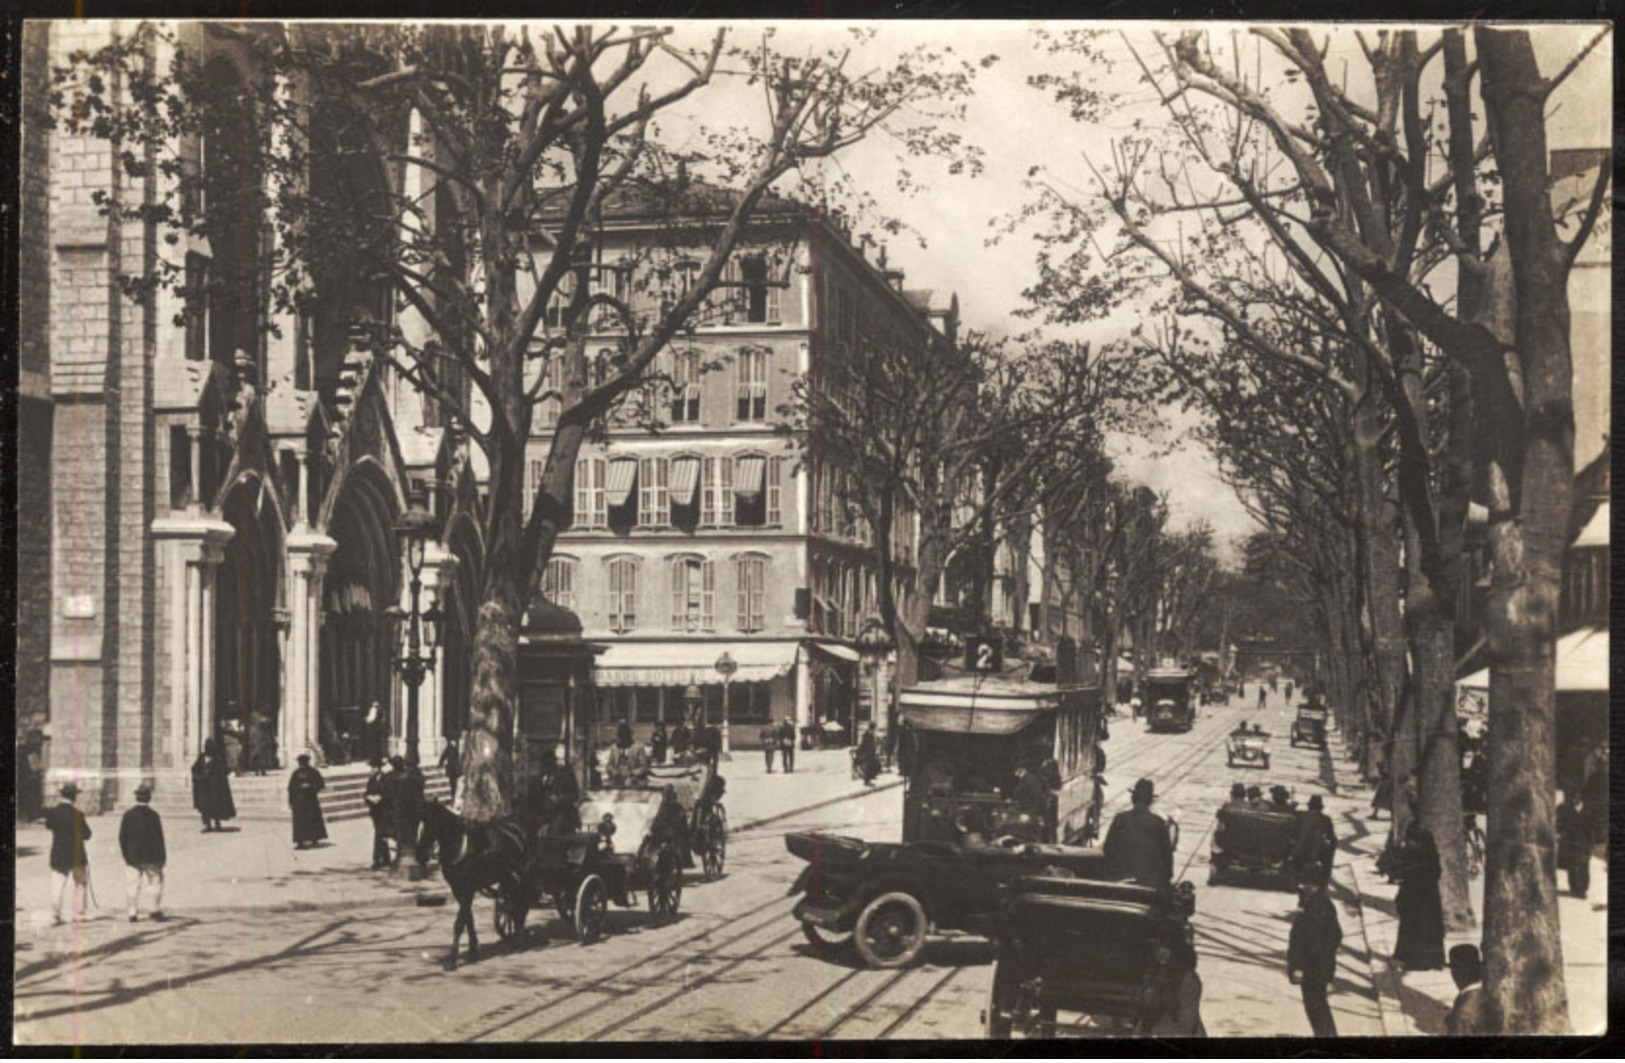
(303,789)
(211,787)
(1421,914)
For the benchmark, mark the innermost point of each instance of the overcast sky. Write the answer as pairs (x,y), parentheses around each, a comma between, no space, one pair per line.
(1018,127)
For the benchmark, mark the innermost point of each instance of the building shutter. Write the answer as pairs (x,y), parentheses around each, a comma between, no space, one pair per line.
(774,500)
(708,595)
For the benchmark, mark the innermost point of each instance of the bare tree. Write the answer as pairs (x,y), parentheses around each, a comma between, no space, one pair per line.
(521,140)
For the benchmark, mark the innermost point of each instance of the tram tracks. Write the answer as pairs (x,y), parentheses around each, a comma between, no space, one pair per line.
(690,984)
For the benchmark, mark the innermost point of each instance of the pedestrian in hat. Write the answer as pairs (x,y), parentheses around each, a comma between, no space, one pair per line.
(1311,955)
(1238,796)
(1281,799)
(304,786)
(658,741)
(211,787)
(141,840)
(1137,846)
(1255,799)
(787,744)
(69,832)
(379,811)
(770,742)
(1317,840)
(408,801)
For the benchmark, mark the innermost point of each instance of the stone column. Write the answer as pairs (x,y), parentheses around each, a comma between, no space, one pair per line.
(191,548)
(298,730)
(803,691)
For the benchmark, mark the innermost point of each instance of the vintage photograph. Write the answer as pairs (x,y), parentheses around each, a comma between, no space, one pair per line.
(811,531)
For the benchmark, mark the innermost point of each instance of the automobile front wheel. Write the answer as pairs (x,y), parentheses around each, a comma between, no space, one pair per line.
(825,940)
(890,930)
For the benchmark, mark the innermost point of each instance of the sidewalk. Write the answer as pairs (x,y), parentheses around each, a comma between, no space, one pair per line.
(253,866)
(1415,1003)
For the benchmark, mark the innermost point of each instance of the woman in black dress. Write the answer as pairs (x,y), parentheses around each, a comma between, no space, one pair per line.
(1421,914)
(211,787)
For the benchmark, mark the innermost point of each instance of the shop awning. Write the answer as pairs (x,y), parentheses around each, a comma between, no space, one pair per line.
(685,479)
(835,649)
(1582,664)
(1595,533)
(748,477)
(676,664)
(621,475)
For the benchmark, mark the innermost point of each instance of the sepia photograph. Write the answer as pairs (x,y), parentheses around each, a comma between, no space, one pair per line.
(764,533)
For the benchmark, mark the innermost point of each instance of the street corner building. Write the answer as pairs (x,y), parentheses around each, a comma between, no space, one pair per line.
(210,488)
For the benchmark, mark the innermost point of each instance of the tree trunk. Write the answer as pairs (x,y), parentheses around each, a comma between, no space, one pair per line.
(1381,579)
(1524,986)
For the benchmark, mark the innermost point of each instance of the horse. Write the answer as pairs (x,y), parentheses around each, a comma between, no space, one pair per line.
(475,857)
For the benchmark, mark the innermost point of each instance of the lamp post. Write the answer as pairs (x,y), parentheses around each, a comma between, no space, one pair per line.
(415,528)
(726,668)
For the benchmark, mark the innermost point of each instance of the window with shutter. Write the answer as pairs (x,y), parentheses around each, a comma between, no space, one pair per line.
(653,510)
(718,509)
(751,367)
(708,595)
(590,511)
(559,581)
(751,597)
(623,594)
(774,499)
(685,387)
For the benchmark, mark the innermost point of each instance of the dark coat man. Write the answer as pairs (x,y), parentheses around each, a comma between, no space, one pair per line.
(1467,971)
(141,841)
(211,787)
(1421,913)
(1032,798)
(141,834)
(69,832)
(679,740)
(378,809)
(708,743)
(1317,839)
(1238,796)
(770,742)
(408,798)
(304,786)
(1311,955)
(1574,843)
(658,741)
(31,777)
(868,758)
(787,744)
(1137,845)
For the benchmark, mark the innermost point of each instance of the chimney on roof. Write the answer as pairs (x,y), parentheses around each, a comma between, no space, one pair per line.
(894,277)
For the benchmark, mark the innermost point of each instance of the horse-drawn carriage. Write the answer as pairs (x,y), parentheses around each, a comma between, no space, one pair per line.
(1109,951)
(634,839)
(1256,841)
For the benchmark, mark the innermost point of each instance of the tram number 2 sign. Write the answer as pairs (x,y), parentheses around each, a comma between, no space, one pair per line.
(984,654)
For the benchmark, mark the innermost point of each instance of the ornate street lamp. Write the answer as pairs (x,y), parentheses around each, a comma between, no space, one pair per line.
(726,668)
(415,528)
